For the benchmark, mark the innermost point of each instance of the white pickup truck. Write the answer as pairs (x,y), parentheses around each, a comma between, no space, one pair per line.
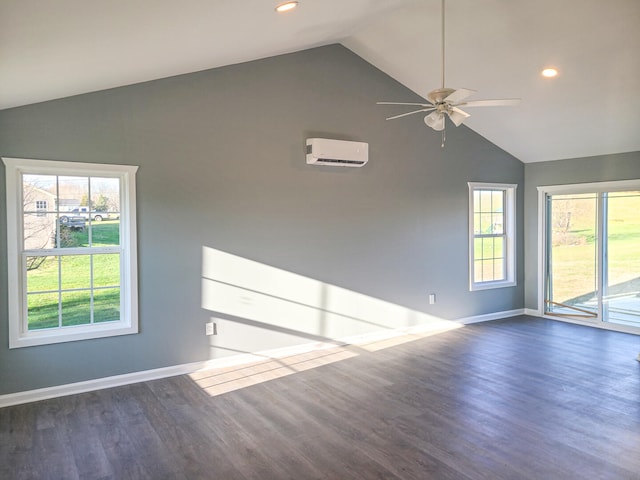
(84,213)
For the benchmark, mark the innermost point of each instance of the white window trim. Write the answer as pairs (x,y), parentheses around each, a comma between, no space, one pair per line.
(19,336)
(510,232)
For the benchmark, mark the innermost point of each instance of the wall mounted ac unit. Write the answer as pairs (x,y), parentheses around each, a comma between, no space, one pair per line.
(323,151)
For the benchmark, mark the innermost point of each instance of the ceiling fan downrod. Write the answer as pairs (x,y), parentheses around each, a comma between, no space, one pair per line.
(443,44)
(444,137)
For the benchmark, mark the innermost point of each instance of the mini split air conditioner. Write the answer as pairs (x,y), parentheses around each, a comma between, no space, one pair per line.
(322,151)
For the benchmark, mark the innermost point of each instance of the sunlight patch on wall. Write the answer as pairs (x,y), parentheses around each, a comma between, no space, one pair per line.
(291,305)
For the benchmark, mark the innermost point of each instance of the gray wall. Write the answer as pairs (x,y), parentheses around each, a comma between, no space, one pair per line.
(221,156)
(625,166)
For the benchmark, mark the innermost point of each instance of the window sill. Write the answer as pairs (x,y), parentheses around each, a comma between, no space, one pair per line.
(71,334)
(490,285)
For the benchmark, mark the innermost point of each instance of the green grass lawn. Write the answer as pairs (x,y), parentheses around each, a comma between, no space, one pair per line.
(105,233)
(43,308)
(48,286)
(574,264)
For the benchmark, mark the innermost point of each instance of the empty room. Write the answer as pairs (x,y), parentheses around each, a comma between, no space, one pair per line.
(321,239)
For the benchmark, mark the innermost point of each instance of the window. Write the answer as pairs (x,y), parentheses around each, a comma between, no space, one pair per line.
(71,277)
(41,207)
(491,235)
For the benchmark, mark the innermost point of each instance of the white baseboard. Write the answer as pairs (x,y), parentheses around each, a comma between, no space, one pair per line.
(533,312)
(491,316)
(96,384)
(158,373)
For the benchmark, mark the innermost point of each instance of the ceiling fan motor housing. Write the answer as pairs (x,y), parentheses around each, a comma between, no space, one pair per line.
(439,95)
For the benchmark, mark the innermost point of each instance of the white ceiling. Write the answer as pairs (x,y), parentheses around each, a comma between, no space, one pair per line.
(498,47)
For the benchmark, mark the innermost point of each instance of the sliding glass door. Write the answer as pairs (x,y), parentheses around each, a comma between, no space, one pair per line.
(592,253)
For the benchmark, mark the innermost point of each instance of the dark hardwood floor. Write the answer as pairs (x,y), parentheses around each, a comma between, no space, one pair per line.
(520,398)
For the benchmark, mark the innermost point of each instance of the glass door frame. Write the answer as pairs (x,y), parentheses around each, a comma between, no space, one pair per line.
(543,235)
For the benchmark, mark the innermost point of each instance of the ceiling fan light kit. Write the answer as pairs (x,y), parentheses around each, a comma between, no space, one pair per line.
(446,102)
(435,121)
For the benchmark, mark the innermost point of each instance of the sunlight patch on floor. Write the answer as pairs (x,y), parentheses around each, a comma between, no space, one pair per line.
(414,334)
(217,381)
(224,380)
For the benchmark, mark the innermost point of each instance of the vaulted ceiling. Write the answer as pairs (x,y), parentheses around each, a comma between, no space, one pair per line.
(55,49)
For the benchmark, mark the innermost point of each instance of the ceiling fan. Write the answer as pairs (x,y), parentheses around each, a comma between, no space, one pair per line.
(446,102)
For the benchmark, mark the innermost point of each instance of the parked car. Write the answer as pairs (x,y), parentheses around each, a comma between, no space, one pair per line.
(75,222)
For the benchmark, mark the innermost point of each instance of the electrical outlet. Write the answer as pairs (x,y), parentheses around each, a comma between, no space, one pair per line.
(210,328)
(432,298)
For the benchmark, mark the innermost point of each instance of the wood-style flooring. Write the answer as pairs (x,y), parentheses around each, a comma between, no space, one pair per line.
(520,398)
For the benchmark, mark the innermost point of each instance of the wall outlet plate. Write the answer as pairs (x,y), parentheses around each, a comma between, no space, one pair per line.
(210,328)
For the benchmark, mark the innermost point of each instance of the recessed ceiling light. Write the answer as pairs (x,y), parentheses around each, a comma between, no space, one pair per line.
(285,7)
(549,72)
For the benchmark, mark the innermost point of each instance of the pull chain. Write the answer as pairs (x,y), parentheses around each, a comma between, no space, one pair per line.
(444,137)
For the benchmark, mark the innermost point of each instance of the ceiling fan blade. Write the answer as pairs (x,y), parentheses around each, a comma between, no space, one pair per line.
(459,95)
(457,116)
(411,113)
(435,120)
(398,103)
(505,102)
